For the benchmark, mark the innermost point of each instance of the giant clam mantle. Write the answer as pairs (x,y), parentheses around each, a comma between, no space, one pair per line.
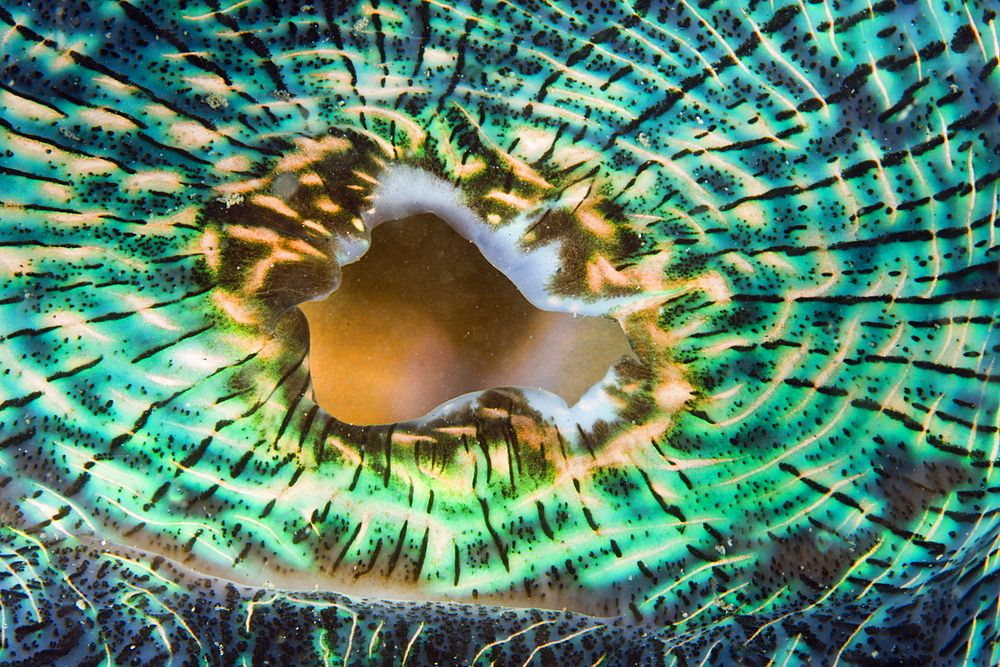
(792,211)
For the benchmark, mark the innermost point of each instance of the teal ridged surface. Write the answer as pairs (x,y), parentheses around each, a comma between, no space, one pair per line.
(791,209)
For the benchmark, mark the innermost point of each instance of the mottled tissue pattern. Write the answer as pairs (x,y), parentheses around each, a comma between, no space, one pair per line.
(791,208)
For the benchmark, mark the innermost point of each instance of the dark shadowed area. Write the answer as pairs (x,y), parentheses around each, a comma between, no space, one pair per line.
(422,317)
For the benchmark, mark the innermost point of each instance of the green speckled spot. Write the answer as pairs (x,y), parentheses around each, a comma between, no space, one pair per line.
(791,210)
